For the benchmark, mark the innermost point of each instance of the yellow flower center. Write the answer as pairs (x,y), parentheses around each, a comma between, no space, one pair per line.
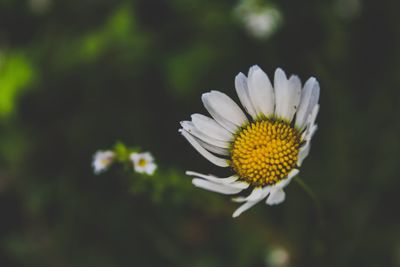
(142,162)
(265,151)
(105,161)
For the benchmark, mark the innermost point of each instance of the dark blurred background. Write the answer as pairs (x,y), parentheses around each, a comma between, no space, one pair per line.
(78,75)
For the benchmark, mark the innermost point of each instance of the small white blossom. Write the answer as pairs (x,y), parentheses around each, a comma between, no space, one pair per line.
(260,21)
(143,163)
(278,257)
(262,24)
(102,160)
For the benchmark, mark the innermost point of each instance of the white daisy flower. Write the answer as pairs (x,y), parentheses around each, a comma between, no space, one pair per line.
(264,152)
(143,163)
(102,160)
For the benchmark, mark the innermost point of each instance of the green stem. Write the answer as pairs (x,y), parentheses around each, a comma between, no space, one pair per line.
(314,198)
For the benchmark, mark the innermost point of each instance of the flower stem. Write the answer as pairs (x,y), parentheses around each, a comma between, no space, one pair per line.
(314,198)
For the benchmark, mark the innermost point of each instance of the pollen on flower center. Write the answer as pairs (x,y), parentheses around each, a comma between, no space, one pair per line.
(265,151)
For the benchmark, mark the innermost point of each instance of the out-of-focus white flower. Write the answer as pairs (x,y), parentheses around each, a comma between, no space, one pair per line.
(143,163)
(102,160)
(278,257)
(260,21)
(262,24)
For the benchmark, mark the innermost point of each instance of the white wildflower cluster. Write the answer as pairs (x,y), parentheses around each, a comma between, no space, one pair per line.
(142,162)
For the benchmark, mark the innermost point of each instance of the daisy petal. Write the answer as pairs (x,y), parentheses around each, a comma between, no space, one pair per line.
(275,197)
(240,184)
(312,131)
(211,128)
(313,116)
(309,98)
(214,149)
(258,193)
(229,182)
(261,92)
(283,183)
(224,110)
(219,188)
(303,153)
(280,89)
(287,95)
(255,197)
(212,178)
(189,127)
(309,133)
(242,91)
(244,207)
(221,162)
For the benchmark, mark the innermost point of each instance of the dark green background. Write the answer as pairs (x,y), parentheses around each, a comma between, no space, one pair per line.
(78,75)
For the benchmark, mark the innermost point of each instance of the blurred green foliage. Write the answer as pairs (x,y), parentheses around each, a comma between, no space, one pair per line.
(75,76)
(16,73)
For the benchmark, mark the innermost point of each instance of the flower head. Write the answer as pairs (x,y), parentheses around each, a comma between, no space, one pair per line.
(102,160)
(143,163)
(260,19)
(265,149)
(278,257)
